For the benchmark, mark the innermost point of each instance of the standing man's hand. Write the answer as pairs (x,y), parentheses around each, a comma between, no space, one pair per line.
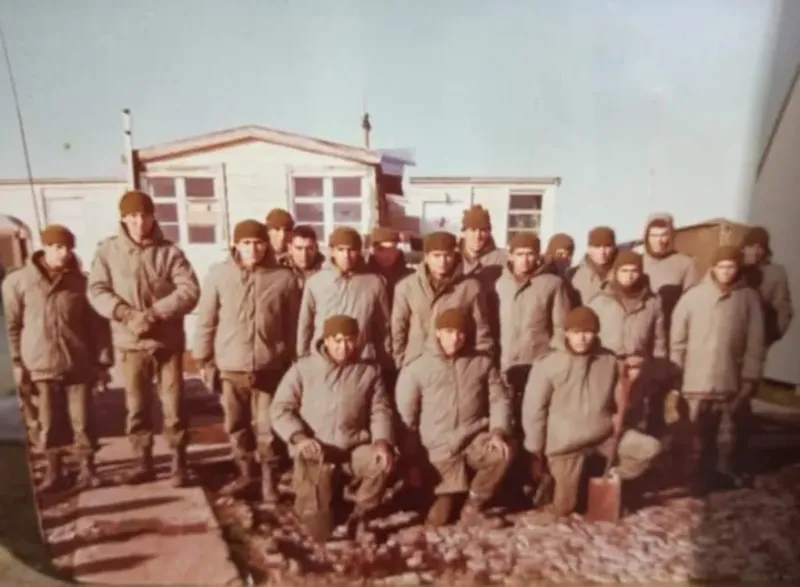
(102,379)
(538,466)
(384,456)
(308,447)
(497,443)
(747,391)
(208,372)
(21,375)
(672,407)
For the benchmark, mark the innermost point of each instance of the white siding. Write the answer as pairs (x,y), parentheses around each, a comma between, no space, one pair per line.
(433,202)
(776,206)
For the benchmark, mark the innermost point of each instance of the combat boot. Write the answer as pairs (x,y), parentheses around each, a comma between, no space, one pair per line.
(440,511)
(53,479)
(143,471)
(87,474)
(269,493)
(178,475)
(244,480)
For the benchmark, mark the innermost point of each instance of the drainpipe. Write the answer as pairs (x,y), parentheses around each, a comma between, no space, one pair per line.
(128,156)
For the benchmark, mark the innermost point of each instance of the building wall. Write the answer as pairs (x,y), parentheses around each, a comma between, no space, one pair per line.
(439,206)
(87,209)
(776,205)
(249,180)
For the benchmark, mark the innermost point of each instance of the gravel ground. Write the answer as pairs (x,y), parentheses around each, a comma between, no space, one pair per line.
(748,533)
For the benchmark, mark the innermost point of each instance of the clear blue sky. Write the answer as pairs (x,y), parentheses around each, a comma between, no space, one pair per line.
(637,105)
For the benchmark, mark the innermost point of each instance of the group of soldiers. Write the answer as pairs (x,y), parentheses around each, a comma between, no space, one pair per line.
(478,366)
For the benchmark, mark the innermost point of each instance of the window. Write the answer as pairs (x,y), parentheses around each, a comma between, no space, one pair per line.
(203,218)
(326,203)
(524,213)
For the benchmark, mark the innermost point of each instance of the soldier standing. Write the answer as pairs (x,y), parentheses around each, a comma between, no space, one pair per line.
(387,259)
(559,253)
(591,275)
(246,328)
(335,414)
(279,228)
(570,411)
(303,256)
(770,280)
(717,342)
(437,284)
(145,285)
(59,346)
(457,416)
(345,286)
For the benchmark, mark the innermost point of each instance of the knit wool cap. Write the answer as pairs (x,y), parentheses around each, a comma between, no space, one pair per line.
(249,229)
(727,253)
(135,202)
(628,258)
(582,319)
(525,240)
(439,241)
(476,218)
(340,325)
(278,218)
(558,241)
(660,220)
(383,234)
(56,234)
(758,235)
(344,236)
(602,236)
(452,319)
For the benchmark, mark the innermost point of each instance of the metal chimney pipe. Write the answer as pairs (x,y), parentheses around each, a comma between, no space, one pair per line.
(130,165)
(366,126)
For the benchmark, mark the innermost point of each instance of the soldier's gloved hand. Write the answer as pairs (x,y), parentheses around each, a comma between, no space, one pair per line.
(102,379)
(672,407)
(384,455)
(538,466)
(308,447)
(747,390)
(139,322)
(21,375)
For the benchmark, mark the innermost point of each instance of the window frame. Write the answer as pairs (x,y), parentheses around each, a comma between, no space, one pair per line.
(536,213)
(328,200)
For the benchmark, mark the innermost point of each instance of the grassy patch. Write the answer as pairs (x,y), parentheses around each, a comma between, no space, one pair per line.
(23,556)
(780,395)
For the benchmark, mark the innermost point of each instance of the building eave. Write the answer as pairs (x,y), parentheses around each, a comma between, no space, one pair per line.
(472,180)
(45,181)
(253,133)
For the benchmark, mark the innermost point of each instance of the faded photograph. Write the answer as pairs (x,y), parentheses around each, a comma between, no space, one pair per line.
(294,298)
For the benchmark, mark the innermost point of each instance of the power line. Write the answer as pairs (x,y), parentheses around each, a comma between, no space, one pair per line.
(21,124)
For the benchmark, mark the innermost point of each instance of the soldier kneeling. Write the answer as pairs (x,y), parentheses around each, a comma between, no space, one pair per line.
(569,412)
(334,412)
(456,411)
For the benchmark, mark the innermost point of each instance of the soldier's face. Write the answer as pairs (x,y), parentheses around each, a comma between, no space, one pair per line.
(303,251)
(345,257)
(138,225)
(600,256)
(580,341)
(523,261)
(385,254)
(725,272)
(475,239)
(753,254)
(628,275)
(440,263)
(341,348)
(658,239)
(251,251)
(563,258)
(278,238)
(450,340)
(57,256)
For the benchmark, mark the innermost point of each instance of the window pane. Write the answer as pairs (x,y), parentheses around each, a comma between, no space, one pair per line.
(307,187)
(171,232)
(166,213)
(523,221)
(309,213)
(512,233)
(199,187)
(202,234)
(347,212)
(162,187)
(525,202)
(346,187)
(202,213)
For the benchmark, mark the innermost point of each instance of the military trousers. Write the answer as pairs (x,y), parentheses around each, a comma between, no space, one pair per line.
(634,456)
(65,416)
(139,370)
(29,406)
(719,433)
(246,400)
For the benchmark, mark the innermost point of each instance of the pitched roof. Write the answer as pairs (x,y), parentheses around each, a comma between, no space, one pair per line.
(450,180)
(244,134)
